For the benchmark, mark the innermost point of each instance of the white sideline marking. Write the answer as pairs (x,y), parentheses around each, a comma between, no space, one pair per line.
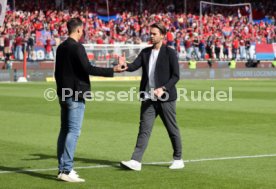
(151,163)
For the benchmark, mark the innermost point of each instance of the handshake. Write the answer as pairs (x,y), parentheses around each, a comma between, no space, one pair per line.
(122,65)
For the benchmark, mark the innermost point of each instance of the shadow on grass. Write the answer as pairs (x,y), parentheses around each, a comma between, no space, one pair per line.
(76,159)
(21,170)
(115,164)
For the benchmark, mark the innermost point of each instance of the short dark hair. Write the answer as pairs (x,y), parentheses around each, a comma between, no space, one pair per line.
(159,26)
(73,23)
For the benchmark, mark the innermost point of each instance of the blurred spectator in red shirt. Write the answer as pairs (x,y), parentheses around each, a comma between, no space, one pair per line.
(18,48)
(48,49)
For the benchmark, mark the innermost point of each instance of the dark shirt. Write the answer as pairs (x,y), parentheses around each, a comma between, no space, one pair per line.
(31,42)
(6,42)
(72,69)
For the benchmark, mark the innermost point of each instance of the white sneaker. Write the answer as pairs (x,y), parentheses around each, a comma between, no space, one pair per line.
(73,172)
(71,177)
(59,175)
(132,164)
(177,164)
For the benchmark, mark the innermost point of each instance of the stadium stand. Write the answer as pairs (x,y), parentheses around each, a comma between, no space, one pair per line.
(226,34)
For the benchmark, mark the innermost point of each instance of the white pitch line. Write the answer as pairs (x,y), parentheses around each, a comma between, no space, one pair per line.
(151,163)
(231,158)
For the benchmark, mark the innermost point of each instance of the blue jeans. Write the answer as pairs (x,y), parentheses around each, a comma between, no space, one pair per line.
(242,52)
(72,113)
(189,53)
(18,53)
(202,51)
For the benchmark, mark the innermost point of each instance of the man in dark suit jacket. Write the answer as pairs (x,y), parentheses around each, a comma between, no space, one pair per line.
(72,72)
(158,93)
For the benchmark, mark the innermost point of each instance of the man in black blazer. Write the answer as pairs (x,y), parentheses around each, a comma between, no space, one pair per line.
(158,94)
(72,72)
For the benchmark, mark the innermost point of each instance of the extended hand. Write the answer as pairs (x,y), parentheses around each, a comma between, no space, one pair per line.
(122,61)
(118,68)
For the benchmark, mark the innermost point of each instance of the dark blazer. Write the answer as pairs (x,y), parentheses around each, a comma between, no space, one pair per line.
(166,70)
(72,69)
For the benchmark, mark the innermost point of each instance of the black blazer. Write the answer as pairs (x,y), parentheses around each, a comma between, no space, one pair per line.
(166,70)
(72,69)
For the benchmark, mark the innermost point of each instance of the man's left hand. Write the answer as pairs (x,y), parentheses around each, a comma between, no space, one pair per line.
(159,92)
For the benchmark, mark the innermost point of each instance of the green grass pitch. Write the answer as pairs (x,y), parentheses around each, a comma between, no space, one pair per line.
(246,126)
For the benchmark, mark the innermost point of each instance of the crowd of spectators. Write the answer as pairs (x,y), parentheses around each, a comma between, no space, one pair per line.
(225,33)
